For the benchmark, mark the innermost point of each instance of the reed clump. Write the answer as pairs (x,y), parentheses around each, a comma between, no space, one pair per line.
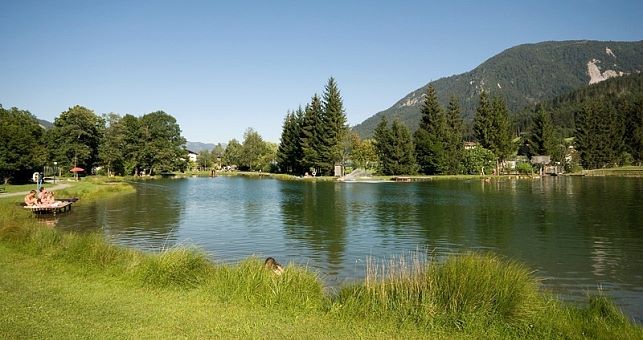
(416,289)
(182,267)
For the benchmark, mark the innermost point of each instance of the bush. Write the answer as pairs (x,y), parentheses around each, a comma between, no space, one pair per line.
(524,168)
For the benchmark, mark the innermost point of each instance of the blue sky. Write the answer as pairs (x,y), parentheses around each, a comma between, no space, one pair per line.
(220,67)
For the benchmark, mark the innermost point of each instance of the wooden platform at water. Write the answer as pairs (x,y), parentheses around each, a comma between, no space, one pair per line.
(56,208)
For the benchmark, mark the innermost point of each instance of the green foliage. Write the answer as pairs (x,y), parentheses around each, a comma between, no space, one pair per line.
(395,149)
(311,135)
(599,135)
(454,139)
(315,138)
(363,152)
(430,139)
(482,121)
(542,139)
(233,153)
(21,145)
(254,151)
(75,138)
(524,168)
(161,147)
(335,126)
(478,161)
(290,153)
(205,159)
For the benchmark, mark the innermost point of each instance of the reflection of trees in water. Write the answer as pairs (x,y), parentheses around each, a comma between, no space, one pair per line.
(146,219)
(315,213)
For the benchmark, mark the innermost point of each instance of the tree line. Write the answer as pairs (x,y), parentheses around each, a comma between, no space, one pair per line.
(607,130)
(123,145)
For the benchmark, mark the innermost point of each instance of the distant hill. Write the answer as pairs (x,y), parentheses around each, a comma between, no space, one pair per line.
(197,146)
(45,124)
(524,75)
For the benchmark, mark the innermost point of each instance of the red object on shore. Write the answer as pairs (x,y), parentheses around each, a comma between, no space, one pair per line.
(76,169)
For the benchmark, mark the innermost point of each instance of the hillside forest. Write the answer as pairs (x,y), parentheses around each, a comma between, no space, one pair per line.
(597,126)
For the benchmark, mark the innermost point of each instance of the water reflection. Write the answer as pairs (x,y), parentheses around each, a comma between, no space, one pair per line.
(315,213)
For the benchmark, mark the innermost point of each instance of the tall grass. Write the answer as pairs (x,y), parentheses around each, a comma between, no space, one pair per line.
(419,290)
(479,294)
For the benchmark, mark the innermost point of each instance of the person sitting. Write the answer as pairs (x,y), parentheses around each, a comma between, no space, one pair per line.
(42,195)
(48,199)
(272,264)
(31,199)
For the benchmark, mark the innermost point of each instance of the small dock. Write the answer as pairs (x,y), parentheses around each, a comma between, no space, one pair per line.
(55,208)
(401,179)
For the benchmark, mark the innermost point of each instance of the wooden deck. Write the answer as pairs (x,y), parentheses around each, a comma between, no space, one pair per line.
(56,208)
(401,179)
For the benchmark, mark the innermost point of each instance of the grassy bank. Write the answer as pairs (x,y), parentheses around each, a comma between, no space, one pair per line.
(66,285)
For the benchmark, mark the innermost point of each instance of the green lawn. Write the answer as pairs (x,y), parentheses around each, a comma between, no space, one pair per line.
(47,299)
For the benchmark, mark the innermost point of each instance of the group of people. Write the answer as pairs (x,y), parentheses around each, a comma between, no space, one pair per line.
(43,197)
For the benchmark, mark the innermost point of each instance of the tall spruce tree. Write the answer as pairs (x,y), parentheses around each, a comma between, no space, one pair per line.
(336,129)
(454,138)
(383,145)
(430,136)
(311,135)
(289,151)
(599,134)
(500,129)
(403,151)
(542,139)
(482,121)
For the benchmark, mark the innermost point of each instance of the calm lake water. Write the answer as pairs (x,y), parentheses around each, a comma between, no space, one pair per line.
(580,234)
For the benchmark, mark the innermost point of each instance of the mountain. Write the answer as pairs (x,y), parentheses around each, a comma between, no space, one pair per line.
(523,75)
(197,146)
(45,124)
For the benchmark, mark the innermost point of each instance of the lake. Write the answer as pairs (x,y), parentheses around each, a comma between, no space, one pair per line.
(580,234)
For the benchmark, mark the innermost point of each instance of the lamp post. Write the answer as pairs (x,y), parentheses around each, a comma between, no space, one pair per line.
(55,169)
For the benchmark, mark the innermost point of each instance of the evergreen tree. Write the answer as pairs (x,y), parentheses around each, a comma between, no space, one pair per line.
(500,129)
(482,121)
(335,127)
(599,135)
(430,136)
(492,127)
(289,150)
(383,142)
(454,138)
(403,160)
(542,139)
(310,136)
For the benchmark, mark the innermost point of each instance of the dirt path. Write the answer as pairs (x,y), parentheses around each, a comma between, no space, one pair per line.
(23,193)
